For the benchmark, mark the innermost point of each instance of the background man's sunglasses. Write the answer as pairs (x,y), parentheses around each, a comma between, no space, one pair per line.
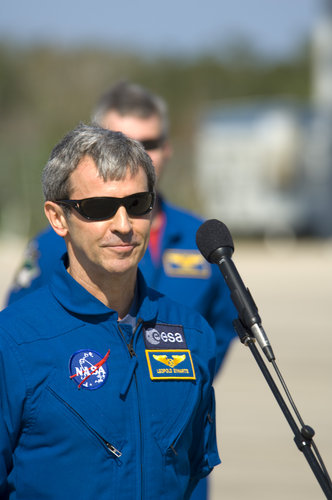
(105,207)
(152,144)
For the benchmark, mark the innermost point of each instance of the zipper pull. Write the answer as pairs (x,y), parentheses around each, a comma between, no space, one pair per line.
(113,450)
(130,345)
(173,449)
(131,350)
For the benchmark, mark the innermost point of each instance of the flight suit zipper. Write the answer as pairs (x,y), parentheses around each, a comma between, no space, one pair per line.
(133,357)
(130,345)
(111,448)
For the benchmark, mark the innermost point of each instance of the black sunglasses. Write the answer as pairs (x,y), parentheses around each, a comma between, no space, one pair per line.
(151,144)
(105,207)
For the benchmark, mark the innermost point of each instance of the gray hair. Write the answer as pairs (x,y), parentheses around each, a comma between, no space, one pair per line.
(112,152)
(128,98)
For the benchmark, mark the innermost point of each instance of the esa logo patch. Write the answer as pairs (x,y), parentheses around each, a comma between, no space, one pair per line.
(88,369)
(186,264)
(169,364)
(164,337)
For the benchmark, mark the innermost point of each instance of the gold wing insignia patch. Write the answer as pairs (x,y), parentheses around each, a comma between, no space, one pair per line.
(185,264)
(171,362)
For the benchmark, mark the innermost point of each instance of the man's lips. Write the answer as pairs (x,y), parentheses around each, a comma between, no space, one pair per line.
(121,247)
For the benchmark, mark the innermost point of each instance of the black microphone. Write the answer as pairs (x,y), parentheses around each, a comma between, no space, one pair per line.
(215,243)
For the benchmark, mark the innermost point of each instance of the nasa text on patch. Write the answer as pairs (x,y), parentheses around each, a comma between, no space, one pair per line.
(88,368)
(168,364)
(162,336)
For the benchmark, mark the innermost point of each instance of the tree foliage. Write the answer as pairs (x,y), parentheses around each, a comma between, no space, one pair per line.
(44,92)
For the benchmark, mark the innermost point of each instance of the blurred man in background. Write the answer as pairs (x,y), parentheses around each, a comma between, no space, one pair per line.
(172,264)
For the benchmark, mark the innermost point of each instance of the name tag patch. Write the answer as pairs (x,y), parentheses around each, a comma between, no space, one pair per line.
(169,364)
(162,336)
(186,264)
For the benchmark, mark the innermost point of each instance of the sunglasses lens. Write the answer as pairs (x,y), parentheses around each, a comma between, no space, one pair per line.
(105,208)
(99,208)
(138,204)
(152,144)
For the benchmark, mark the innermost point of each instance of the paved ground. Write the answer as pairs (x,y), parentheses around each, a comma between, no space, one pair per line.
(292,286)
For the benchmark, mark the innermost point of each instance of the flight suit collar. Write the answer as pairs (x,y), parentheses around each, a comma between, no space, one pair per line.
(77,300)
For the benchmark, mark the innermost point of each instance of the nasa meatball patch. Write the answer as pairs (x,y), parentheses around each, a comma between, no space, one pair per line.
(88,368)
(162,336)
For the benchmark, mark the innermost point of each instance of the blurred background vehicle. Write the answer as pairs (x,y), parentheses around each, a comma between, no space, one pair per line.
(264,165)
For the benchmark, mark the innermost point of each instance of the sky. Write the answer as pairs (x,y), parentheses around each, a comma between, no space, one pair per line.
(184,27)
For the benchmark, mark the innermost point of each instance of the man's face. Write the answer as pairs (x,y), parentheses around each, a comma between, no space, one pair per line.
(141,129)
(97,249)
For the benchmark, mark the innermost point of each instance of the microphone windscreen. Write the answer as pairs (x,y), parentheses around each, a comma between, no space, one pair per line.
(211,235)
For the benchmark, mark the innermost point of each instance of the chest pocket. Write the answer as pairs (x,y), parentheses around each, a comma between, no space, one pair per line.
(171,404)
(87,412)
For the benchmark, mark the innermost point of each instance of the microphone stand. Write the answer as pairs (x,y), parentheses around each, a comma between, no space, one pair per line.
(303,437)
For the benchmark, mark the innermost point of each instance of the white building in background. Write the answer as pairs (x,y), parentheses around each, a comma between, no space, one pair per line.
(265,167)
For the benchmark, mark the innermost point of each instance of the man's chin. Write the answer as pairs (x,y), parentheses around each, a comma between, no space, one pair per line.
(123,264)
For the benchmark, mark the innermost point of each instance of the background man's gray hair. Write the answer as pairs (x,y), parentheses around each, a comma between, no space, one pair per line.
(113,153)
(127,98)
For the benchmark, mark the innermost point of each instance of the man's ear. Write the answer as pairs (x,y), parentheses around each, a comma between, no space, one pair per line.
(55,215)
(167,150)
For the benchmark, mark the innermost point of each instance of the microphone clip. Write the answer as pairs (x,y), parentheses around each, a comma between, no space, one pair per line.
(244,334)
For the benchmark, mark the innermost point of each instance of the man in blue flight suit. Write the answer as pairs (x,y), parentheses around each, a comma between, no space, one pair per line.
(172,264)
(105,384)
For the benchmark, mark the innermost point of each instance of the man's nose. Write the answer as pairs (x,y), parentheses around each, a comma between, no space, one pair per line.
(121,222)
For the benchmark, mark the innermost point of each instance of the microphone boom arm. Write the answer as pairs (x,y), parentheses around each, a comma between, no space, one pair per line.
(303,438)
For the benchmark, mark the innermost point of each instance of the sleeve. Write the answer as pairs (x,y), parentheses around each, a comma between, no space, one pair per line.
(204,449)
(206,442)
(220,316)
(28,275)
(39,261)
(12,397)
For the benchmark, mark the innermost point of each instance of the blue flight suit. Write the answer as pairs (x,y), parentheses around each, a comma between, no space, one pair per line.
(91,408)
(182,273)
